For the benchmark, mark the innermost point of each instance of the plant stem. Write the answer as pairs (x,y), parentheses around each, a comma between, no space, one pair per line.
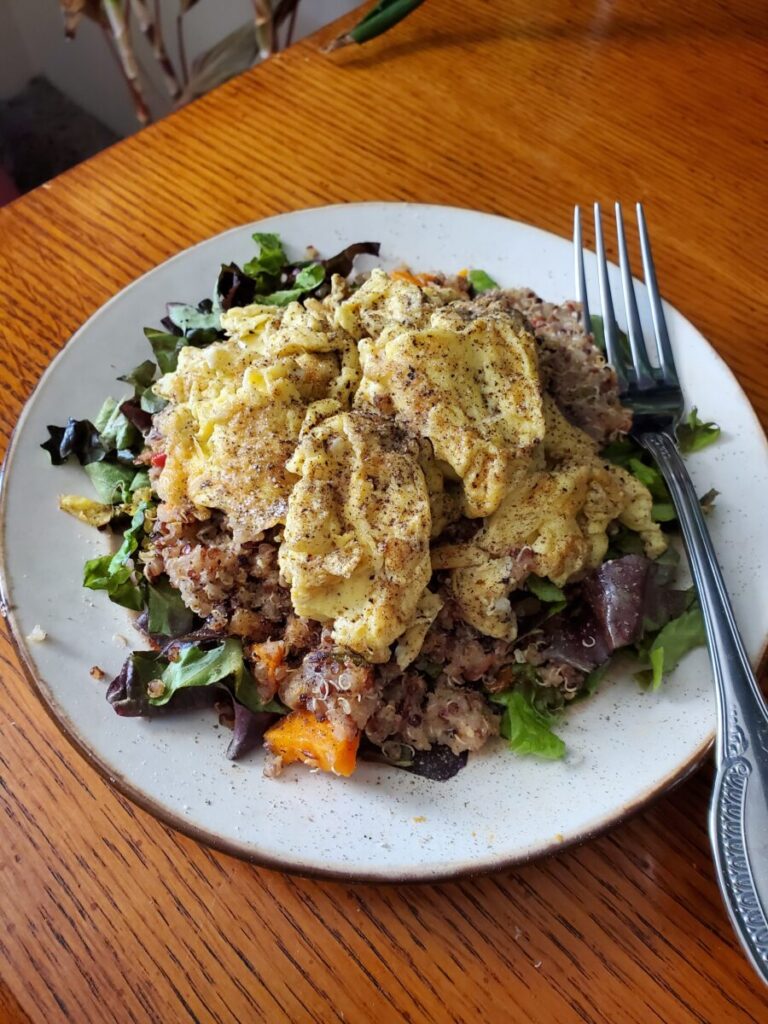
(152,29)
(284,10)
(182,47)
(120,44)
(262,10)
(291,25)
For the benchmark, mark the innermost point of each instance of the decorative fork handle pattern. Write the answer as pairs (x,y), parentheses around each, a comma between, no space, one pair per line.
(738,823)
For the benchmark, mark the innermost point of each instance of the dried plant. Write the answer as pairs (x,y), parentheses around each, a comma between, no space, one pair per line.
(238,51)
(152,27)
(119,19)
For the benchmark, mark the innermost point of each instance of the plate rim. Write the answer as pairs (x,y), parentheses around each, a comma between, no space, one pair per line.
(242,850)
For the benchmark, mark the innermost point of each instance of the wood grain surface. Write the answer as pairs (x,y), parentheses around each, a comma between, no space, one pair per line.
(516,108)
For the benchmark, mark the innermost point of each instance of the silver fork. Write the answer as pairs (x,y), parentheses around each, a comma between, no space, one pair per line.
(738,819)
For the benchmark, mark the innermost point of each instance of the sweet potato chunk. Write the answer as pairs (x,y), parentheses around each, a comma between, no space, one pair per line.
(301,737)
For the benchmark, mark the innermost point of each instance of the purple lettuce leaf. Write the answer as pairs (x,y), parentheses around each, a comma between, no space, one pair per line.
(343,261)
(79,438)
(622,600)
(131,409)
(576,638)
(248,728)
(234,288)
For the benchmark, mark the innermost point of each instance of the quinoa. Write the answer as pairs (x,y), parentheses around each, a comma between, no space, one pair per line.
(442,698)
(456,717)
(333,686)
(234,586)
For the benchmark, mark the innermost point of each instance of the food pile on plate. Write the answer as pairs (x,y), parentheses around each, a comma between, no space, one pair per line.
(388,516)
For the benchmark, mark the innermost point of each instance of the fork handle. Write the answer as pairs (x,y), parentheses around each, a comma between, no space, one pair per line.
(738,820)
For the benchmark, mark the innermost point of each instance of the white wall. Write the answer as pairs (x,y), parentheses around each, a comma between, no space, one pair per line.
(32,42)
(15,61)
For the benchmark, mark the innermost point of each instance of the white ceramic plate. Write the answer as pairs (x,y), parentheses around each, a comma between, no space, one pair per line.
(624,746)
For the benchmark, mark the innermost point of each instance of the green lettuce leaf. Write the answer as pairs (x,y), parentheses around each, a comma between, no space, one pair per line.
(481,282)
(598,331)
(140,481)
(98,575)
(650,476)
(694,434)
(544,589)
(152,403)
(190,318)
(111,573)
(114,482)
(131,539)
(167,615)
(527,729)
(663,512)
(621,451)
(166,347)
(140,377)
(122,578)
(630,456)
(149,680)
(308,278)
(625,542)
(271,258)
(115,430)
(548,593)
(105,448)
(196,667)
(663,651)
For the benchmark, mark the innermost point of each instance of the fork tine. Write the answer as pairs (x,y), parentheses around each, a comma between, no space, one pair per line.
(663,346)
(581,277)
(642,366)
(613,351)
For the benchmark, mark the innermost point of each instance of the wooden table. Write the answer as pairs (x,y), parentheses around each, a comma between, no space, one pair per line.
(109,916)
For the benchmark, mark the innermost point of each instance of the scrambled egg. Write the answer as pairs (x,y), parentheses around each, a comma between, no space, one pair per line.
(383,302)
(471,387)
(356,540)
(367,424)
(237,408)
(409,644)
